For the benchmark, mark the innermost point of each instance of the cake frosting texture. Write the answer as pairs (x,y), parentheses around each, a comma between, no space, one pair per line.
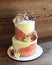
(20,44)
(26,26)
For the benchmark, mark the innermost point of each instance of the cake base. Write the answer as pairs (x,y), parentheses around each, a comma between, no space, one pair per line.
(36,55)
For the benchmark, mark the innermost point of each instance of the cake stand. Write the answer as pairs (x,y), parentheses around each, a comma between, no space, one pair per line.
(35,56)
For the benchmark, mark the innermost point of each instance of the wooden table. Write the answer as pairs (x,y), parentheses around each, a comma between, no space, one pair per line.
(45,59)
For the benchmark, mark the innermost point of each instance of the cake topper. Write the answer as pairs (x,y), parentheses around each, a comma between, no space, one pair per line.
(20,17)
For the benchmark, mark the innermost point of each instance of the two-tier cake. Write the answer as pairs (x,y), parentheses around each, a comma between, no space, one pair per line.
(25,39)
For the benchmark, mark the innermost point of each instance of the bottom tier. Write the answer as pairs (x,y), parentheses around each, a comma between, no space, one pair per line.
(25,49)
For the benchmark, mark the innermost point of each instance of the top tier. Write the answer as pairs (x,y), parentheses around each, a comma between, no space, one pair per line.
(23,23)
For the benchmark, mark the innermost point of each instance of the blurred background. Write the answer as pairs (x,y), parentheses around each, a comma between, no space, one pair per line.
(10,8)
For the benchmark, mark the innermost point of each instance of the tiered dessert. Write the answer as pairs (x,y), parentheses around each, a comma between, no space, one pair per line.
(25,40)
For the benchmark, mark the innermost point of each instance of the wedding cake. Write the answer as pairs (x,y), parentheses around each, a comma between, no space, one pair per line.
(25,39)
